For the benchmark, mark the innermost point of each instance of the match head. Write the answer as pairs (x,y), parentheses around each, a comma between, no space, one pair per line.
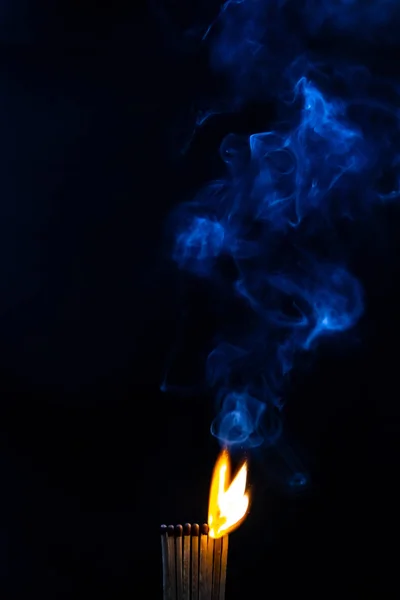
(186,529)
(204,529)
(170,530)
(195,530)
(178,530)
(163,530)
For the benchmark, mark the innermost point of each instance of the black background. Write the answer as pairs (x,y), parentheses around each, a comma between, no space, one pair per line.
(95,104)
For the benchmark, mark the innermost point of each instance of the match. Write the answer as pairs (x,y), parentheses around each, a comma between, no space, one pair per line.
(194,564)
(195,559)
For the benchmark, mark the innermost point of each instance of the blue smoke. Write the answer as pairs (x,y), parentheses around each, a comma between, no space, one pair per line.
(274,215)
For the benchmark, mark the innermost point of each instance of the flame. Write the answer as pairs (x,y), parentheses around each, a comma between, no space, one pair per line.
(229,501)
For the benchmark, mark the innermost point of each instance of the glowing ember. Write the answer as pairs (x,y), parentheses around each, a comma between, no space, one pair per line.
(229,500)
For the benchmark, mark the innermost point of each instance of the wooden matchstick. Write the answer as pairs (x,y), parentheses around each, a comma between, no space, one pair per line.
(165,568)
(216,568)
(224,564)
(195,561)
(203,563)
(210,558)
(171,562)
(186,561)
(178,561)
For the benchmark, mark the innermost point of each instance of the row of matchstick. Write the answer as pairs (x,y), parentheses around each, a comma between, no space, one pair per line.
(194,564)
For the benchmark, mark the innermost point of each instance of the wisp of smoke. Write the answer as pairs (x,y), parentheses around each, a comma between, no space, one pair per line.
(329,156)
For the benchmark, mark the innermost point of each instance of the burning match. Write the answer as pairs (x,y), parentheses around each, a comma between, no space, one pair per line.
(195,558)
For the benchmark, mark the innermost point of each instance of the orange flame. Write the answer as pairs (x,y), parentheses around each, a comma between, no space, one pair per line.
(229,501)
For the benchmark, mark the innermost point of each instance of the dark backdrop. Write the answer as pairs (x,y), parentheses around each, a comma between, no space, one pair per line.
(95,105)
